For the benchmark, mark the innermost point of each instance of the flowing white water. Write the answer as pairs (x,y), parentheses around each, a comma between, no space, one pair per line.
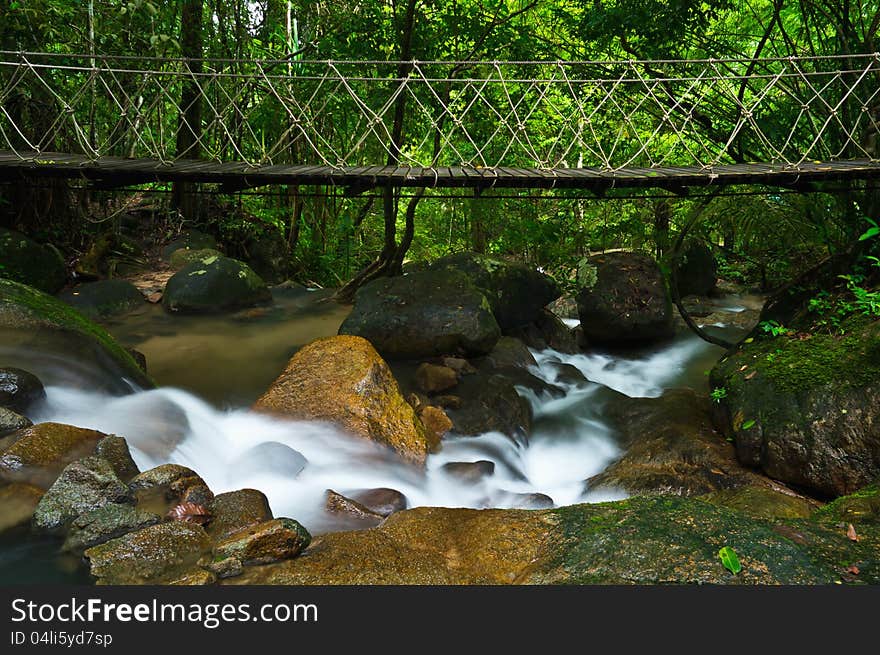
(295,462)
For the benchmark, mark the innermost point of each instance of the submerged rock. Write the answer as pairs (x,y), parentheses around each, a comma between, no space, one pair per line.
(516,293)
(17,504)
(344,380)
(85,485)
(336,503)
(423,314)
(28,315)
(271,457)
(624,300)
(26,261)
(104,298)
(42,451)
(158,553)
(19,389)
(469,472)
(805,409)
(215,284)
(382,501)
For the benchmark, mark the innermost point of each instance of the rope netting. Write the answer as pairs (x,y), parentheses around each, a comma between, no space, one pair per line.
(541,115)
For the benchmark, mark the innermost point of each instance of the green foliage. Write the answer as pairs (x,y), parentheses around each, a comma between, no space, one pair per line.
(718,394)
(773,328)
(730,560)
(748,424)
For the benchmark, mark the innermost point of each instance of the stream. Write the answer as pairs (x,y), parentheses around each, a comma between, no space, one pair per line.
(210,369)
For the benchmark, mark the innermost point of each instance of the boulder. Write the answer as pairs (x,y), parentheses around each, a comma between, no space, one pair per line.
(805,408)
(271,541)
(336,503)
(42,451)
(236,510)
(158,553)
(85,485)
(191,239)
(469,472)
(183,257)
(382,501)
(624,300)
(167,485)
(115,450)
(509,352)
(423,314)
(547,331)
(11,422)
(696,269)
(28,315)
(641,540)
(490,403)
(343,379)
(104,298)
(214,285)
(517,293)
(670,447)
(269,255)
(19,389)
(105,523)
(763,502)
(858,508)
(26,261)
(17,504)
(437,423)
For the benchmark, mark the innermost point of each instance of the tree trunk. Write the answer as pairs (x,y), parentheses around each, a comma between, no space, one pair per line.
(189,126)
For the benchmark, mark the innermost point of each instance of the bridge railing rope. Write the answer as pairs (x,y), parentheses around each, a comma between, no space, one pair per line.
(541,115)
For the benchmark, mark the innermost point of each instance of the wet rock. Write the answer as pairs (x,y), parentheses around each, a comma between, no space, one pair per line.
(105,523)
(516,293)
(237,510)
(447,401)
(547,331)
(670,447)
(27,314)
(19,389)
(169,484)
(423,314)
(183,257)
(513,500)
(696,269)
(459,365)
(382,501)
(805,409)
(860,507)
(272,541)
(509,352)
(42,451)
(85,485)
(336,503)
(139,358)
(214,285)
(469,472)
(155,554)
(625,300)
(10,422)
(344,380)
(431,378)
(491,403)
(228,567)
(191,239)
(269,255)
(763,502)
(271,457)
(17,504)
(192,578)
(104,298)
(436,423)
(26,261)
(115,450)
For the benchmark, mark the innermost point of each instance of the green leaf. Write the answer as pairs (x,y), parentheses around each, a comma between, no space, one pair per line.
(730,560)
(872,232)
(748,424)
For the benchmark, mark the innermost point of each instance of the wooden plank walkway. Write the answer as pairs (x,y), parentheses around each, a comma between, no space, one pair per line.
(119,171)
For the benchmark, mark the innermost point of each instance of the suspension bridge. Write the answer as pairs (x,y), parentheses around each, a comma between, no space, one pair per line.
(592,125)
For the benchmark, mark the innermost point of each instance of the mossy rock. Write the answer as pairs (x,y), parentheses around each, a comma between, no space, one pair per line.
(343,380)
(272,541)
(26,261)
(627,302)
(11,422)
(33,318)
(236,510)
(517,293)
(191,239)
(805,408)
(763,502)
(423,314)
(156,554)
(19,389)
(105,523)
(183,257)
(214,285)
(17,504)
(104,298)
(859,507)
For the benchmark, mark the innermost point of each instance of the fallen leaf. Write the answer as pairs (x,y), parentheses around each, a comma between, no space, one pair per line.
(852,569)
(751,375)
(743,367)
(851,533)
(190,513)
(730,560)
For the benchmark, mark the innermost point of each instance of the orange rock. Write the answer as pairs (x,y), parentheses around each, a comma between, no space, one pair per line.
(436,422)
(343,379)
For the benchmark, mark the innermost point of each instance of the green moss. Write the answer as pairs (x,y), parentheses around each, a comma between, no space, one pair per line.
(29,306)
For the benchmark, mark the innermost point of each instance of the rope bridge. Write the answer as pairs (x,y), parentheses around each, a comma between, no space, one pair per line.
(362,124)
